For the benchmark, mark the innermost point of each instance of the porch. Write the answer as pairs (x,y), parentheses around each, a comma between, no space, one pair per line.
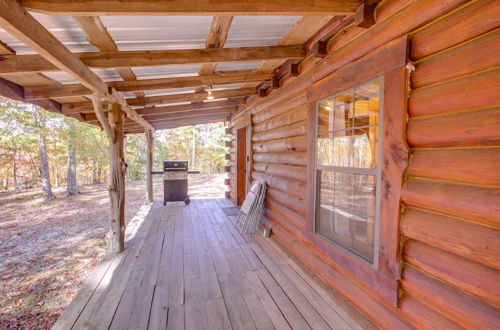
(186,267)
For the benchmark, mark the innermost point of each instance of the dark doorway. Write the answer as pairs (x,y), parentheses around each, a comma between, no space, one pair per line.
(241,165)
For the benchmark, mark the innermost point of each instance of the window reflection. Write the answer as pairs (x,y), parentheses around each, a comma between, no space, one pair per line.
(347,143)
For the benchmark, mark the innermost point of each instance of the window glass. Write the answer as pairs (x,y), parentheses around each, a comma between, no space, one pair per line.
(347,168)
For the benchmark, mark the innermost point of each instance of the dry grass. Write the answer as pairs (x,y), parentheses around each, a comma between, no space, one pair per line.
(47,249)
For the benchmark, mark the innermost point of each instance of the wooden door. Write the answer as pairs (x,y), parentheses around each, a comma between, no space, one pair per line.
(241,164)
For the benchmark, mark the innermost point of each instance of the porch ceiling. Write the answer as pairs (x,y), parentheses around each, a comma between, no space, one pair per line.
(157,55)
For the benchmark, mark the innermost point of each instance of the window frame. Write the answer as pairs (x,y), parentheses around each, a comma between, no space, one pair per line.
(389,61)
(352,170)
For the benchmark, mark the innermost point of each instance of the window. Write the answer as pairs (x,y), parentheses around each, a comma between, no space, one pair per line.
(347,168)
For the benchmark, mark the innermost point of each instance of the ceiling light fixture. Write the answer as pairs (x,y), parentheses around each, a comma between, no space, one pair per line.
(209,91)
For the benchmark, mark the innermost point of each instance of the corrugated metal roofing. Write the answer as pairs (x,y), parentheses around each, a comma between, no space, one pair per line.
(248,31)
(238,66)
(162,32)
(153,72)
(64,78)
(64,28)
(169,91)
(158,32)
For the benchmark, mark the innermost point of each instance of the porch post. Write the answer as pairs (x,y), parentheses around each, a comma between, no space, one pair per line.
(115,239)
(149,166)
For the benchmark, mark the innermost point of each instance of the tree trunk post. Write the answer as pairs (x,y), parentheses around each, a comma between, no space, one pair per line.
(115,239)
(149,166)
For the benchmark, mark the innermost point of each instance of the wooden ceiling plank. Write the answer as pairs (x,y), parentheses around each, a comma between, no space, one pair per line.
(221,78)
(191,7)
(124,59)
(19,23)
(98,35)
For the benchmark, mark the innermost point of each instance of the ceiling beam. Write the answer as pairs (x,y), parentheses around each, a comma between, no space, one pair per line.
(98,35)
(188,107)
(69,109)
(191,7)
(216,39)
(190,114)
(83,107)
(189,97)
(15,92)
(90,117)
(19,23)
(123,59)
(186,121)
(220,78)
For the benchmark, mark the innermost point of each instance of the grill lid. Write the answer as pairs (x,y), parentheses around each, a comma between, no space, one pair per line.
(175,165)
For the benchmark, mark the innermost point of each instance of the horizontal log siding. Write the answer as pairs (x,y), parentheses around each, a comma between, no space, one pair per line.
(279,143)
(450,226)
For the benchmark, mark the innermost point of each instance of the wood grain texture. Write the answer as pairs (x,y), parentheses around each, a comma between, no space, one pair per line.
(123,59)
(219,78)
(471,277)
(469,240)
(474,56)
(467,93)
(475,203)
(461,129)
(475,19)
(189,7)
(465,310)
(479,166)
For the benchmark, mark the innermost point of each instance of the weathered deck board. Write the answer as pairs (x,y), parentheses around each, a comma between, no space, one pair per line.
(187,268)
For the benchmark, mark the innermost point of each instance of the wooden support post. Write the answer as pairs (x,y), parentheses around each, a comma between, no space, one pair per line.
(149,166)
(115,239)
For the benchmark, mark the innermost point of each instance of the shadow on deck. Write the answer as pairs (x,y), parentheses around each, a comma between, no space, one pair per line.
(185,267)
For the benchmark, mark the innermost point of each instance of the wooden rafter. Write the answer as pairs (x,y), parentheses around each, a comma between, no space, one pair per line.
(191,7)
(189,97)
(152,110)
(184,121)
(188,107)
(98,35)
(216,39)
(221,78)
(124,59)
(166,99)
(173,115)
(16,92)
(19,23)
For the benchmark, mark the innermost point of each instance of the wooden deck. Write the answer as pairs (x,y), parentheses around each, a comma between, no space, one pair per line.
(185,267)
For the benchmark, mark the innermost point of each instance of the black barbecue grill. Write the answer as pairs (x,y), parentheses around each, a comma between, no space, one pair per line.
(175,181)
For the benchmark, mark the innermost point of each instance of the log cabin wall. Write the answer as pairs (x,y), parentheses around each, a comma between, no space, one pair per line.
(449,230)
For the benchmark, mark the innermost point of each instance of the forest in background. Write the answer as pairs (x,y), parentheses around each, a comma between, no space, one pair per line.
(44,149)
